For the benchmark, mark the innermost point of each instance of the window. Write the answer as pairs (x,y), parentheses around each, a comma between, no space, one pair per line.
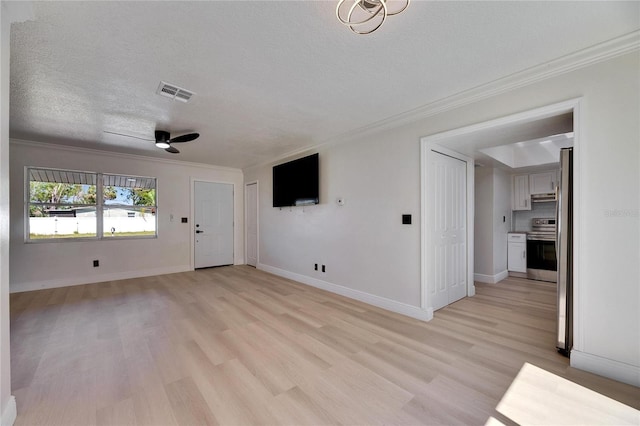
(66,204)
(61,204)
(129,207)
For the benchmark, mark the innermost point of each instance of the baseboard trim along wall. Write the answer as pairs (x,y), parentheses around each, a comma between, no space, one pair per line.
(10,412)
(86,279)
(491,279)
(615,370)
(380,302)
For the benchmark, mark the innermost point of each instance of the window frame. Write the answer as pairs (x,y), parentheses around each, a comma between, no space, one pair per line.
(99,207)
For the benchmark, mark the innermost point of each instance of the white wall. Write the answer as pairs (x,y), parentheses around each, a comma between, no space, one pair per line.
(7,403)
(9,12)
(54,264)
(367,249)
(501,210)
(349,239)
(492,204)
(483,224)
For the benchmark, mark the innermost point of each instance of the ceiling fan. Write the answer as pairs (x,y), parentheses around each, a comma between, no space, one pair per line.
(163,139)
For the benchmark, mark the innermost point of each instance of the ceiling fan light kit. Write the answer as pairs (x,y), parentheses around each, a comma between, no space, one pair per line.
(366,16)
(162,139)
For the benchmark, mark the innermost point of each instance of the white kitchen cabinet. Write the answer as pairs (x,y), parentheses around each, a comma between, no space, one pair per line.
(521,197)
(543,183)
(517,252)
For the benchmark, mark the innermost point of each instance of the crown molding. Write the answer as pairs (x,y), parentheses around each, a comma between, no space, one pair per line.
(44,145)
(556,67)
(601,52)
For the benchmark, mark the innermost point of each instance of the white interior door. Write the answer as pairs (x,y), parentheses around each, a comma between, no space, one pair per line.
(449,229)
(251,194)
(213,224)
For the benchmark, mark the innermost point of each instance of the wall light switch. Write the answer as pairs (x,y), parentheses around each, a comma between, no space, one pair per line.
(184,220)
(406,219)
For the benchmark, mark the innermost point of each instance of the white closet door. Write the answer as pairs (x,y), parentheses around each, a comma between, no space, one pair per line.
(448,229)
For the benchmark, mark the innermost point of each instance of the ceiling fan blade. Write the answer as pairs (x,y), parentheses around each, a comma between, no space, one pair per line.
(172,150)
(129,136)
(185,138)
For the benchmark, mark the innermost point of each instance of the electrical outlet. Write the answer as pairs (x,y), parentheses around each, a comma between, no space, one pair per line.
(323,269)
(96,263)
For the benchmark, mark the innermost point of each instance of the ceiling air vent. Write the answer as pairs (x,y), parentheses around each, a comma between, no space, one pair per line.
(174,92)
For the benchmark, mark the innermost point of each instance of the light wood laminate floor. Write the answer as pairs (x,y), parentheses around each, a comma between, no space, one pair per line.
(238,346)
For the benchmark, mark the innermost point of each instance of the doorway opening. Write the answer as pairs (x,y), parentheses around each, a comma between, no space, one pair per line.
(465,143)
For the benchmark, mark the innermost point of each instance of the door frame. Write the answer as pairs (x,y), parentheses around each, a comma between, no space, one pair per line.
(246,233)
(438,142)
(429,146)
(192,214)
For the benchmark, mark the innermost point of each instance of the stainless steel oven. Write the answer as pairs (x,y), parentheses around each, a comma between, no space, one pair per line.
(542,262)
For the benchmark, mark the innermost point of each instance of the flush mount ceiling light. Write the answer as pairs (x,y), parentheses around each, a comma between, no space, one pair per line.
(366,16)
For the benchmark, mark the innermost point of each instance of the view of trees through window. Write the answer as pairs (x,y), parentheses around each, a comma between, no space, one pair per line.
(123,205)
(65,204)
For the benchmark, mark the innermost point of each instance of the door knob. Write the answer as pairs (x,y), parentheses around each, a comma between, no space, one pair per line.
(199,231)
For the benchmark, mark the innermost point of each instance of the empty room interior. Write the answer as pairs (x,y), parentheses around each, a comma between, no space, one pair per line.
(320,212)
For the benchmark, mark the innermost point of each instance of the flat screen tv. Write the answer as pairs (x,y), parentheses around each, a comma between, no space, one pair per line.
(297,182)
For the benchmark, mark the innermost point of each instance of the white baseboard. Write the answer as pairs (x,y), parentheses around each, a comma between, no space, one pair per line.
(66,282)
(380,302)
(10,412)
(491,279)
(615,370)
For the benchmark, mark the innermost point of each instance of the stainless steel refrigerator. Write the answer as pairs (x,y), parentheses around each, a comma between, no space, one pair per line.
(564,252)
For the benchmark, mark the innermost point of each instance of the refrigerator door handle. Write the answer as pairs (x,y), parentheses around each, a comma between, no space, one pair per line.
(558,224)
(564,212)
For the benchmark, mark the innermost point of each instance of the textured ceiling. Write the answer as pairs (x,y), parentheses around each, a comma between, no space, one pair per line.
(269,77)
